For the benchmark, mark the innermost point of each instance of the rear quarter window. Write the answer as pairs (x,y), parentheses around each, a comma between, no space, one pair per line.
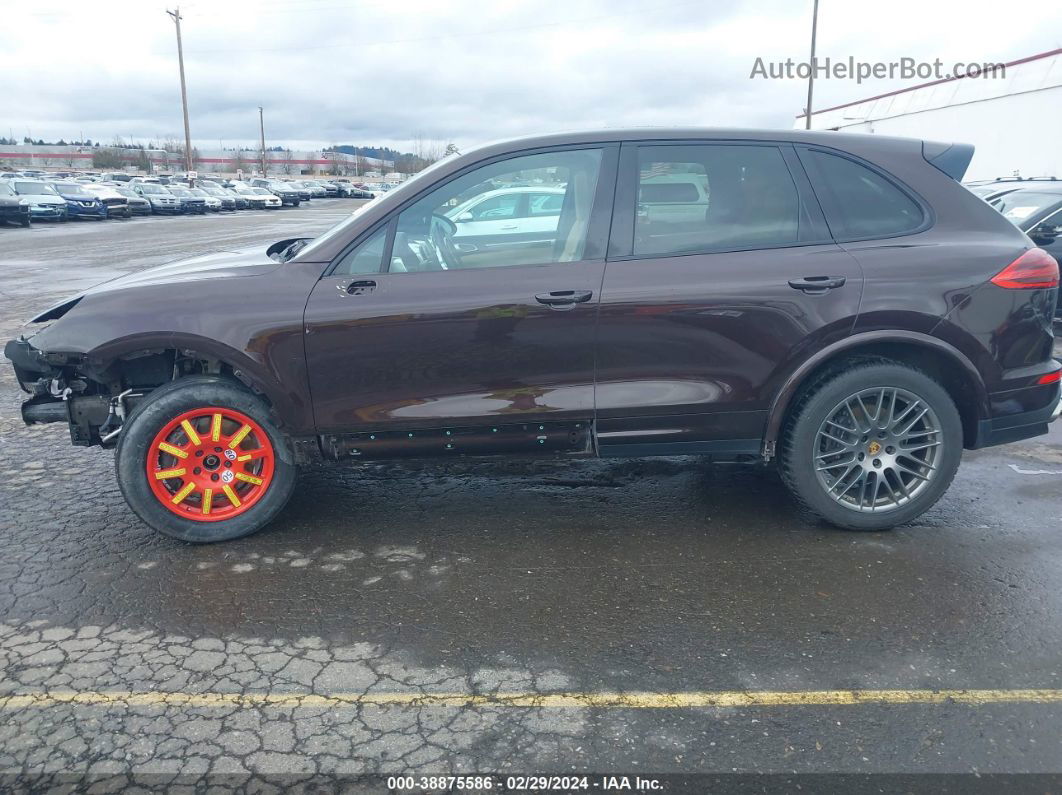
(860,203)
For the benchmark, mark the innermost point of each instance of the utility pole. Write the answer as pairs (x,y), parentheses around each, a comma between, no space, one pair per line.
(811,74)
(176,14)
(261,129)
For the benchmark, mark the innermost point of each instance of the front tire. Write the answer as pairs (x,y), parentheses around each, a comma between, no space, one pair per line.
(201,461)
(872,447)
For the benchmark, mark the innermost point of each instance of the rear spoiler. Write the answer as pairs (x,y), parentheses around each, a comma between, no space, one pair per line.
(952,159)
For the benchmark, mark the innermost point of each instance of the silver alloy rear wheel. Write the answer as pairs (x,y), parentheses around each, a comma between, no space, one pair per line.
(878,449)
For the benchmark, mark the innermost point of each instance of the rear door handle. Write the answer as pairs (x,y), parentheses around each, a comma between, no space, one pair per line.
(564,297)
(817,284)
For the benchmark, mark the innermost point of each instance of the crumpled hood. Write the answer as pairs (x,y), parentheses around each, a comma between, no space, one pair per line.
(218,265)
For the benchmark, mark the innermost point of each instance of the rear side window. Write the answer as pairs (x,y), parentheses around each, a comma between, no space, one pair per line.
(863,203)
(714,197)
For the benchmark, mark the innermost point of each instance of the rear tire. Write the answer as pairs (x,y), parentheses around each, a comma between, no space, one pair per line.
(896,474)
(138,451)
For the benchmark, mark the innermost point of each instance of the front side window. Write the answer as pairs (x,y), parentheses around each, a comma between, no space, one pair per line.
(713,197)
(366,257)
(481,220)
(866,205)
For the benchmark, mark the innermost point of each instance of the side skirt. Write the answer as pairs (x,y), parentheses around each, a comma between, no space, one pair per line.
(509,439)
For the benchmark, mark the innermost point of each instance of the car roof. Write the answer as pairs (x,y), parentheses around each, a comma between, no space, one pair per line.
(1038,187)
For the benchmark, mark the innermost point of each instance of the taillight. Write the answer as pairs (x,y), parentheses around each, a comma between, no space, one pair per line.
(1051,378)
(1034,268)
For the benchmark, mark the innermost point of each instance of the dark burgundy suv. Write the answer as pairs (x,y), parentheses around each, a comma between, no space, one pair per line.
(838,304)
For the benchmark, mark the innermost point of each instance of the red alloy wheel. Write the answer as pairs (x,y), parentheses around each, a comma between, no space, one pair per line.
(210,464)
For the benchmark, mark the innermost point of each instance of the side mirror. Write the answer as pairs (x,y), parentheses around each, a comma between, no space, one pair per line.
(1044,234)
(463,217)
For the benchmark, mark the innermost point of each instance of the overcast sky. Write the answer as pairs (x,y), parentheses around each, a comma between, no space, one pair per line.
(384,71)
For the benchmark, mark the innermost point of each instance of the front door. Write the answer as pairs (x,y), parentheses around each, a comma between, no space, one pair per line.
(720,275)
(417,342)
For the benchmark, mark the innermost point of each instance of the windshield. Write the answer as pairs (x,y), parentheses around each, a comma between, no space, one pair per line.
(1022,204)
(154,190)
(68,187)
(34,188)
(261,191)
(179,191)
(198,192)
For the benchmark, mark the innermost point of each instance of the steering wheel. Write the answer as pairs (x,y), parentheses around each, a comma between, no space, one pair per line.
(442,231)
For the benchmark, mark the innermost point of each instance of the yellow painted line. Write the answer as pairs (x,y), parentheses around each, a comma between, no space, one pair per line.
(166,447)
(632,700)
(208,496)
(189,431)
(166,474)
(248,478)
(231,495)
(241,434)
(187,489)
(215,428)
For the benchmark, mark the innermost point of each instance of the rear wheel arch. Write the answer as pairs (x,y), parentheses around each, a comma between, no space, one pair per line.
(934,357)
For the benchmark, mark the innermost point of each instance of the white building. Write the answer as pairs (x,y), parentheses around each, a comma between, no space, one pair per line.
(1014,122)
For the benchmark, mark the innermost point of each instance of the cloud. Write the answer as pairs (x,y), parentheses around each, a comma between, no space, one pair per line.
(329,71)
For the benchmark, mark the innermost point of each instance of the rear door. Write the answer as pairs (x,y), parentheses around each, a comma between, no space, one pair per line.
(704,311)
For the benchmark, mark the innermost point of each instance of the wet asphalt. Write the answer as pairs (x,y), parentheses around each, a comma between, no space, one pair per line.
(658,576)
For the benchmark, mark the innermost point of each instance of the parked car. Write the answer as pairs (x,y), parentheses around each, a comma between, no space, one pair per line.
(190,203)
(44,203)
(162,201)
(138,205)
(228,201)
(13,208)
(213,203)
(283,191)
(259,198)
(238,198)
(80,203)
(990,190)
(503,214)
(845,309)
(317,191)
(117,205)
(1037,211)
(354,192)
(331,191)
(305,193)
(343,188)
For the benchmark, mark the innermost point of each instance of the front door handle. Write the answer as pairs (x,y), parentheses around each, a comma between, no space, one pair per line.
(817,284)
(564,297)
(360,287)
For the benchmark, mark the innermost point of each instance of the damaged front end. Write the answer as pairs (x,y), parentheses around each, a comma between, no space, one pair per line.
(62,390)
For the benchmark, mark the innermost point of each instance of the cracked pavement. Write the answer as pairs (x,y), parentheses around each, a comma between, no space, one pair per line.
(383,584)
